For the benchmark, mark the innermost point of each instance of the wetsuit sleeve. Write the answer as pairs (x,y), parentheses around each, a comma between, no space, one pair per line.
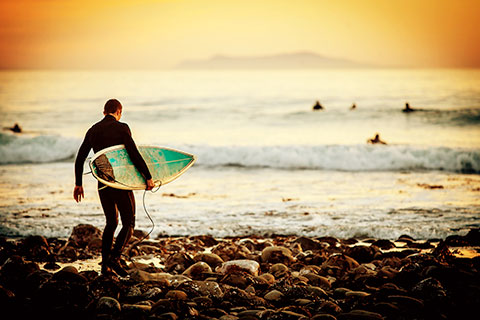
(136,157)
(81,156)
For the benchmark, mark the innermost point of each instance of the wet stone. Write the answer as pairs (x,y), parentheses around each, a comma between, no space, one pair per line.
(276,254)
(197,270)
(234,266)
(82,234)
(212,259)
(273,295)
(176,295)
(360,315)
(279,270)
(108,305)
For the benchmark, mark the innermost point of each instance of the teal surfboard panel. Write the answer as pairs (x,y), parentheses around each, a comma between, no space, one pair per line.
(113,166)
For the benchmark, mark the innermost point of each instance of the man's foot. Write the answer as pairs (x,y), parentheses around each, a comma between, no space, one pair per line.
(117,267)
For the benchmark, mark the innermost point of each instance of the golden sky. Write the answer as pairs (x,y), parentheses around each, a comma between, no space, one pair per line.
(160,33)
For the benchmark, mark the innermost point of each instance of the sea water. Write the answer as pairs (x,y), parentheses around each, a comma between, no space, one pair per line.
(267,163)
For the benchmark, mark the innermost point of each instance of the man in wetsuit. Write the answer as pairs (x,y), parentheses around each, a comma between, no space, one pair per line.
(106,133)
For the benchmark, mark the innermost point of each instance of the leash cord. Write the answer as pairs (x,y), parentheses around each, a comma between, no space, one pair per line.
(144,208)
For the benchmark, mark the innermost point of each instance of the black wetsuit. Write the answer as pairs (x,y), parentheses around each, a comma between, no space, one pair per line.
(106,133)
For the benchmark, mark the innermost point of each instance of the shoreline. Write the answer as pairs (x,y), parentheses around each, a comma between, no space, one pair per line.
(282,277)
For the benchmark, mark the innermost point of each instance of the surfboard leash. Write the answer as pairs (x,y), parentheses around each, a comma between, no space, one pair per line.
(144,208)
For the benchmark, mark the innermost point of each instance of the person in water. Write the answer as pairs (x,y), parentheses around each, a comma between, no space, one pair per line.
(407,108)
(353,107)
(106,133)
(376,140)
(16,128)
(317,106)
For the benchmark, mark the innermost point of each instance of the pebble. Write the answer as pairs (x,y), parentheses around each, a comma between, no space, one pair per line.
(197,270)
(108,305)
(273,295)
(284,277)
(249,266)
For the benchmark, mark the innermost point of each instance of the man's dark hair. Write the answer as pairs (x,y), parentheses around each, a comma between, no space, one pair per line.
(111,106)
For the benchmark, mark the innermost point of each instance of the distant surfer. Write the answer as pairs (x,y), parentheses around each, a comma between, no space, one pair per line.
(317,106)
(407,108)
(106,133)
(353,107)
(376,140)
(16,128)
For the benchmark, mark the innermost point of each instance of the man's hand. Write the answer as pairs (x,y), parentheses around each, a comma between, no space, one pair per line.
(78,193)
(150,184)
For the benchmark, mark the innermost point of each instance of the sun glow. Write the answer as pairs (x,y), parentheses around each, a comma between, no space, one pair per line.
(158,34)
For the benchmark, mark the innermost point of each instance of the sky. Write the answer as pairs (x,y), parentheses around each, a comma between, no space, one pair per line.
(151,34)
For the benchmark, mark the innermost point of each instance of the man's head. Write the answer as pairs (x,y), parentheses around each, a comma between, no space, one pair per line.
(113,107)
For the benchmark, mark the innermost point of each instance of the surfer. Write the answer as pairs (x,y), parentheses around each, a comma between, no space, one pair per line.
(106,133)
(376,140)
(353,107)
(407,108)
(317,106)
(16,128)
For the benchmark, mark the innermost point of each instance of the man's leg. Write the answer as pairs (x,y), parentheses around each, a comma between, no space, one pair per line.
(107,199)
(126,205)
(125,202)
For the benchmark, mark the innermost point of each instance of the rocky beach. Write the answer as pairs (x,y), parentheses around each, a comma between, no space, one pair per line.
(279,277)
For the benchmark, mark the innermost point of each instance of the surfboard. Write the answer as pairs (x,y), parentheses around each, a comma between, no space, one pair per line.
(113,167)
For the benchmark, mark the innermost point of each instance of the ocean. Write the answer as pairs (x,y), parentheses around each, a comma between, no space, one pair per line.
(267,163)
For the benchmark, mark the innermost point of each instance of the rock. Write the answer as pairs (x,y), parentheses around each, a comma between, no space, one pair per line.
(206,240)
(212,259)
(240,280)
(318,281)
(82,234)
(210,289)
(430,289)
(308,243)
(14,272)
(359,315)
(135,311)
(330,307)
(357,294)
(339,264)
(231,251)
(363,254)
(383,244)
(279,270)
(163,279)
(276,254)
(234,266)
(36,248)
(51,266)
(407,304)
(266,278)
(330,240)
(389,310)
(176,295)
(273,295)
(323,316)
(340,292)
(178,262)
(197,270)
(228,317)
(152,293)
(316,291)
(168,316)
(69,274)
(240,298)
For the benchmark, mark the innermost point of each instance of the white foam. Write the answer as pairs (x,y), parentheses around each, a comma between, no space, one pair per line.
(36,149)
(342,157)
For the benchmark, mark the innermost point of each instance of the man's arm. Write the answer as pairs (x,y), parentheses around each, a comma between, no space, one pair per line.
(79,161)
(137,158)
